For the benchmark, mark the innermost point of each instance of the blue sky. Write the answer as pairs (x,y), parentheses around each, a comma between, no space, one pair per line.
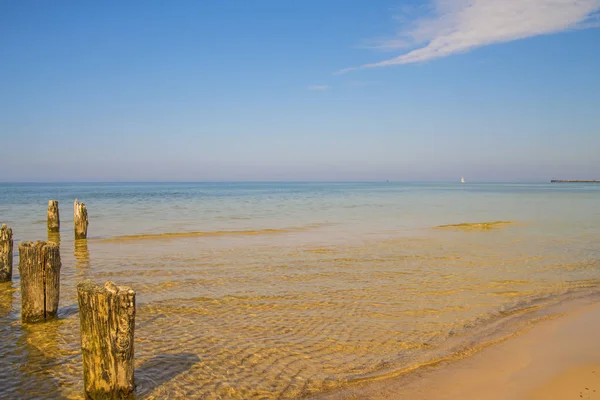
(299,90)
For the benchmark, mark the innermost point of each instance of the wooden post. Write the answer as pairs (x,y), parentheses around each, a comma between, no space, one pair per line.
(107,317)
(53,218)
(39,266)
(80,217)
(6,253)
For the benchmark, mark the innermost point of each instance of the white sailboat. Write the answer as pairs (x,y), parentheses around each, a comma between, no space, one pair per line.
(462,180)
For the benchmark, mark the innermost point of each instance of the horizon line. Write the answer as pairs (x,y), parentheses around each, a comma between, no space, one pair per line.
(280,181)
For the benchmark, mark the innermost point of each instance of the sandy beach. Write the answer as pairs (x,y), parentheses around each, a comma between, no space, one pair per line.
(558,358)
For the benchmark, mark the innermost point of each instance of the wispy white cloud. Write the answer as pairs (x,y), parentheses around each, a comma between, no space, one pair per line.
(457,26)
(318,87)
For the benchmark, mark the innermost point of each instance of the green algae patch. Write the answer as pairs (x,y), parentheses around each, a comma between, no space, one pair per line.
(469,226)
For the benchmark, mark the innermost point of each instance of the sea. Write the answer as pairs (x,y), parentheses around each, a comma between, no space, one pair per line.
(289,290)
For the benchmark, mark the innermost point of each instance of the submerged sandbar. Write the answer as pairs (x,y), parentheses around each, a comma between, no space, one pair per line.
(477,225)
(248,232)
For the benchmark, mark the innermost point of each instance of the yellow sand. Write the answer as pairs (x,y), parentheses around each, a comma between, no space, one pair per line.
(557,359)
(581,382)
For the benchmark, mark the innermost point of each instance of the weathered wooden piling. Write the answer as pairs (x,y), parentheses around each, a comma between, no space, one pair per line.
(53,218)
(80,216)
(39,266)
(6,253)
(107,317)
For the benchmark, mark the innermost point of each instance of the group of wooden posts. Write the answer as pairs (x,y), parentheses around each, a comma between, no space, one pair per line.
(107,313)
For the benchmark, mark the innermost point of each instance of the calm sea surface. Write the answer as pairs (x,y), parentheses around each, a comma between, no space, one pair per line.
(282,290)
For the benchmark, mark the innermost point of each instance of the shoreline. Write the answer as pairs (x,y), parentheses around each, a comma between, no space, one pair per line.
(534,362)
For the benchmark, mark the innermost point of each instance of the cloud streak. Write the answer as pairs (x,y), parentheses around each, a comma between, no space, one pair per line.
(458,26)
(318,87)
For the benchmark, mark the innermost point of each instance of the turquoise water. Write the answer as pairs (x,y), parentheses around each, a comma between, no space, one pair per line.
(282,290)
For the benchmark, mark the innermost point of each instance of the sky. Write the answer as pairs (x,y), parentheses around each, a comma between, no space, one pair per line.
(271,90)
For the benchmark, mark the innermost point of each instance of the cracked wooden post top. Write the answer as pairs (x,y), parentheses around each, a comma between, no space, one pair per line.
(107,317)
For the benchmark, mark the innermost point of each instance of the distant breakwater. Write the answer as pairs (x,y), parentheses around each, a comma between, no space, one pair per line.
(573,181)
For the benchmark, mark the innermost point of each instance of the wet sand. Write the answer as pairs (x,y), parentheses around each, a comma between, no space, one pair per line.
(557,358)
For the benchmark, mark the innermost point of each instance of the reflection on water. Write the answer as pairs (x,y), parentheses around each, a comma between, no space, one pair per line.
(36,362)
(39,347)
(82,259)
(371,287)
(54,237)
(6,298)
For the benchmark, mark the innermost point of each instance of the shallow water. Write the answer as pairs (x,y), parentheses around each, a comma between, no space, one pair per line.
(283,290)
